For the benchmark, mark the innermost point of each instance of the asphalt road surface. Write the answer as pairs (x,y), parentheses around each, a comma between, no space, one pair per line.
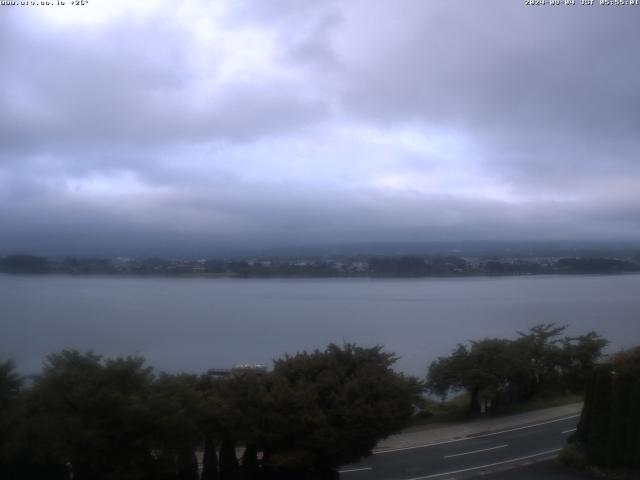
(467,457)
(547,470)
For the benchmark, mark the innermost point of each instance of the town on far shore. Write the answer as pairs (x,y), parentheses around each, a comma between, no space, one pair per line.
(327,266)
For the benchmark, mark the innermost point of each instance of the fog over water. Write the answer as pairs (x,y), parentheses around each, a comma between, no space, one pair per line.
(196,324)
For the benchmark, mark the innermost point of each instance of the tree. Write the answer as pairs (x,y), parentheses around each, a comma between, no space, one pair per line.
(330,407)
(92,414)
(176,405)
(209,460)
(580,358)
(485,371)
(10,383)
(540,346)
(498,371)
(609,427)
(229,467)
(250,467)
(233,408)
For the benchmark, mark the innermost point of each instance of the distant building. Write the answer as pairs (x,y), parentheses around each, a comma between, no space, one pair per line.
(248,367)
(237,370)
(219,372)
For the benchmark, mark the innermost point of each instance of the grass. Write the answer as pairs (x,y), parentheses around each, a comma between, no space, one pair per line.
(457,409)
(572,458)
(544,401)
(433,412)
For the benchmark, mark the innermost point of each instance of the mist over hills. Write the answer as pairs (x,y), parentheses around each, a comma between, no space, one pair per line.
(366,249)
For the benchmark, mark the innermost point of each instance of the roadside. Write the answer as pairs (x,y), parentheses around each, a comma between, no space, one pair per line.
(542,464)
(552,470)
(441,432)
(546,470)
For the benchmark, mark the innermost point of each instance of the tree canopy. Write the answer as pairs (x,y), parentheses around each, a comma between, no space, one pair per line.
(89,417)
(331,407)
(609,428)
(500,371)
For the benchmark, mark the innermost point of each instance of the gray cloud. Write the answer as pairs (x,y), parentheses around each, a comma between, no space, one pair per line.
(544,90)
(131,82)
(318,122)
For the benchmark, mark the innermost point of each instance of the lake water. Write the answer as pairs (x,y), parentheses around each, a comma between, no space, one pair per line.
(193,324)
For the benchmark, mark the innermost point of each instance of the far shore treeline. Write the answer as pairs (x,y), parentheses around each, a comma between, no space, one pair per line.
(88,417)
(397,266)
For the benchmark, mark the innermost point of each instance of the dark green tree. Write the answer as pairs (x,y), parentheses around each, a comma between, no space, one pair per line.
(485,371)
(229,468)
(609,428)
(187,464)
(177,408)
(92,414)
(499,371)
(209,460)
(541,348)
(580,356)
(250,467)
(331,407)
(10,384)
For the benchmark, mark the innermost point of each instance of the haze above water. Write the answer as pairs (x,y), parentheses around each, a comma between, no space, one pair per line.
(196,324)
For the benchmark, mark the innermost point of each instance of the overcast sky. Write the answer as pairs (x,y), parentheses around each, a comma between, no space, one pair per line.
(169,125)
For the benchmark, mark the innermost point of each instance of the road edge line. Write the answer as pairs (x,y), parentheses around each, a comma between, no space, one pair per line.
(480,467)
(471,437)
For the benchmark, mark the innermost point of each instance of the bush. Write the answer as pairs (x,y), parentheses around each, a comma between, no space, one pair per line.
(571,457)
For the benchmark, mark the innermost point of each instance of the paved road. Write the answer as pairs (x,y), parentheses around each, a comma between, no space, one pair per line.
(466,457)
(547,470)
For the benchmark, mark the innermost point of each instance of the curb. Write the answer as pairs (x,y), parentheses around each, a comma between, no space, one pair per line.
(408,443)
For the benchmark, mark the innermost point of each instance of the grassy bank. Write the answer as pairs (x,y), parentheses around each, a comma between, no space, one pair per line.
(457,409)
(575,460)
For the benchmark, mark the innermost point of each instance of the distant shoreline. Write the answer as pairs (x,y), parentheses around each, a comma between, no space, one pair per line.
(309,277)
(400,266)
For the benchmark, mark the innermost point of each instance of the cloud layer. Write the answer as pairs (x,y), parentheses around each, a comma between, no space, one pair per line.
(202,124)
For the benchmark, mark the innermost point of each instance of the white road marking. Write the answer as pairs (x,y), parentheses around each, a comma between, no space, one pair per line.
(462,439)
(476,451)
(568,431)
(526,426)
(351,470)
(548,452)
(425,445)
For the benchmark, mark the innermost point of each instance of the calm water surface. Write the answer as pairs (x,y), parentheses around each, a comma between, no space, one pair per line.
(196,324)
